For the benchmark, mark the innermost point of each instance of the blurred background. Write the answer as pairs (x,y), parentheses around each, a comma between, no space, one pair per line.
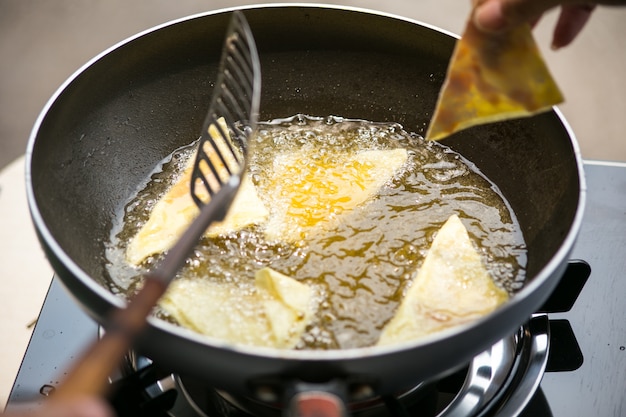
(43,42)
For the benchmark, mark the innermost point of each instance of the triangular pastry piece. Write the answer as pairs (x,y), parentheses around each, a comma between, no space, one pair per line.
(492,77)
(310,192)
(274,313)
(175,211)
(452,287)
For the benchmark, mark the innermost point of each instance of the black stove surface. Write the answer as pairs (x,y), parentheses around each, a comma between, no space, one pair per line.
(598,320)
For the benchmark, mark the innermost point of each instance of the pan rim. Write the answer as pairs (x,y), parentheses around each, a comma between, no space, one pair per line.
(301,355)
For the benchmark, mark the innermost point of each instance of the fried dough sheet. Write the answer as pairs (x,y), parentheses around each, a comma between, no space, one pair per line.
(175,211)
(311,192)
(452,287)
(273,313)
(492,77)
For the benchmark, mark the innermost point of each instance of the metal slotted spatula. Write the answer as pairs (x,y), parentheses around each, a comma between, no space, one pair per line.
(217,174)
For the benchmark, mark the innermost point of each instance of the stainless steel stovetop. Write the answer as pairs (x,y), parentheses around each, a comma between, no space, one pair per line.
(598,319)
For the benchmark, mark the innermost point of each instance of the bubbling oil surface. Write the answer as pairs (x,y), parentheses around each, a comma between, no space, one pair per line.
(361,268)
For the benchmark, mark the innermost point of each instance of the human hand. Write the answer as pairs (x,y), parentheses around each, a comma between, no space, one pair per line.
(498,15)
(79,407)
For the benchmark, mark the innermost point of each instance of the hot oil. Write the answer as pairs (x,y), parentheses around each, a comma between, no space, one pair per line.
(359,268)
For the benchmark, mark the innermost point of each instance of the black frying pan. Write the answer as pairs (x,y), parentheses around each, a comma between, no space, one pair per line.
(110,123)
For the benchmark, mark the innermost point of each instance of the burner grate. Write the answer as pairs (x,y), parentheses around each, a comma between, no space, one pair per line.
(505,377)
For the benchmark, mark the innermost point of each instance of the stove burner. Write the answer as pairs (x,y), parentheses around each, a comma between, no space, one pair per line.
(502,379)
(499,381)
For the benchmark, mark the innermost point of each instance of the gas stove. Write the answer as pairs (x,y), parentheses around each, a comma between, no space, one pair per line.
(569,359)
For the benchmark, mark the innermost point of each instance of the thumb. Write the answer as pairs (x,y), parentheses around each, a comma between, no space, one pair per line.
(498,15)
(489,16)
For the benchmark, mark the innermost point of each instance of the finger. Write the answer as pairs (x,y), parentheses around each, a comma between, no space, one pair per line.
(80,407)
(489,16)
(535,21)
(571,22)
(88,407)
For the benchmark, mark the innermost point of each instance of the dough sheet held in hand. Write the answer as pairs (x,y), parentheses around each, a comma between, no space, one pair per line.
(492,77)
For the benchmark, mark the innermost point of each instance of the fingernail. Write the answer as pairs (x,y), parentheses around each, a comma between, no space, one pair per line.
(489,17)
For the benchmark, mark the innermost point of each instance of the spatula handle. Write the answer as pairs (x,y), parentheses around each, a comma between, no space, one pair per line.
(89,374)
